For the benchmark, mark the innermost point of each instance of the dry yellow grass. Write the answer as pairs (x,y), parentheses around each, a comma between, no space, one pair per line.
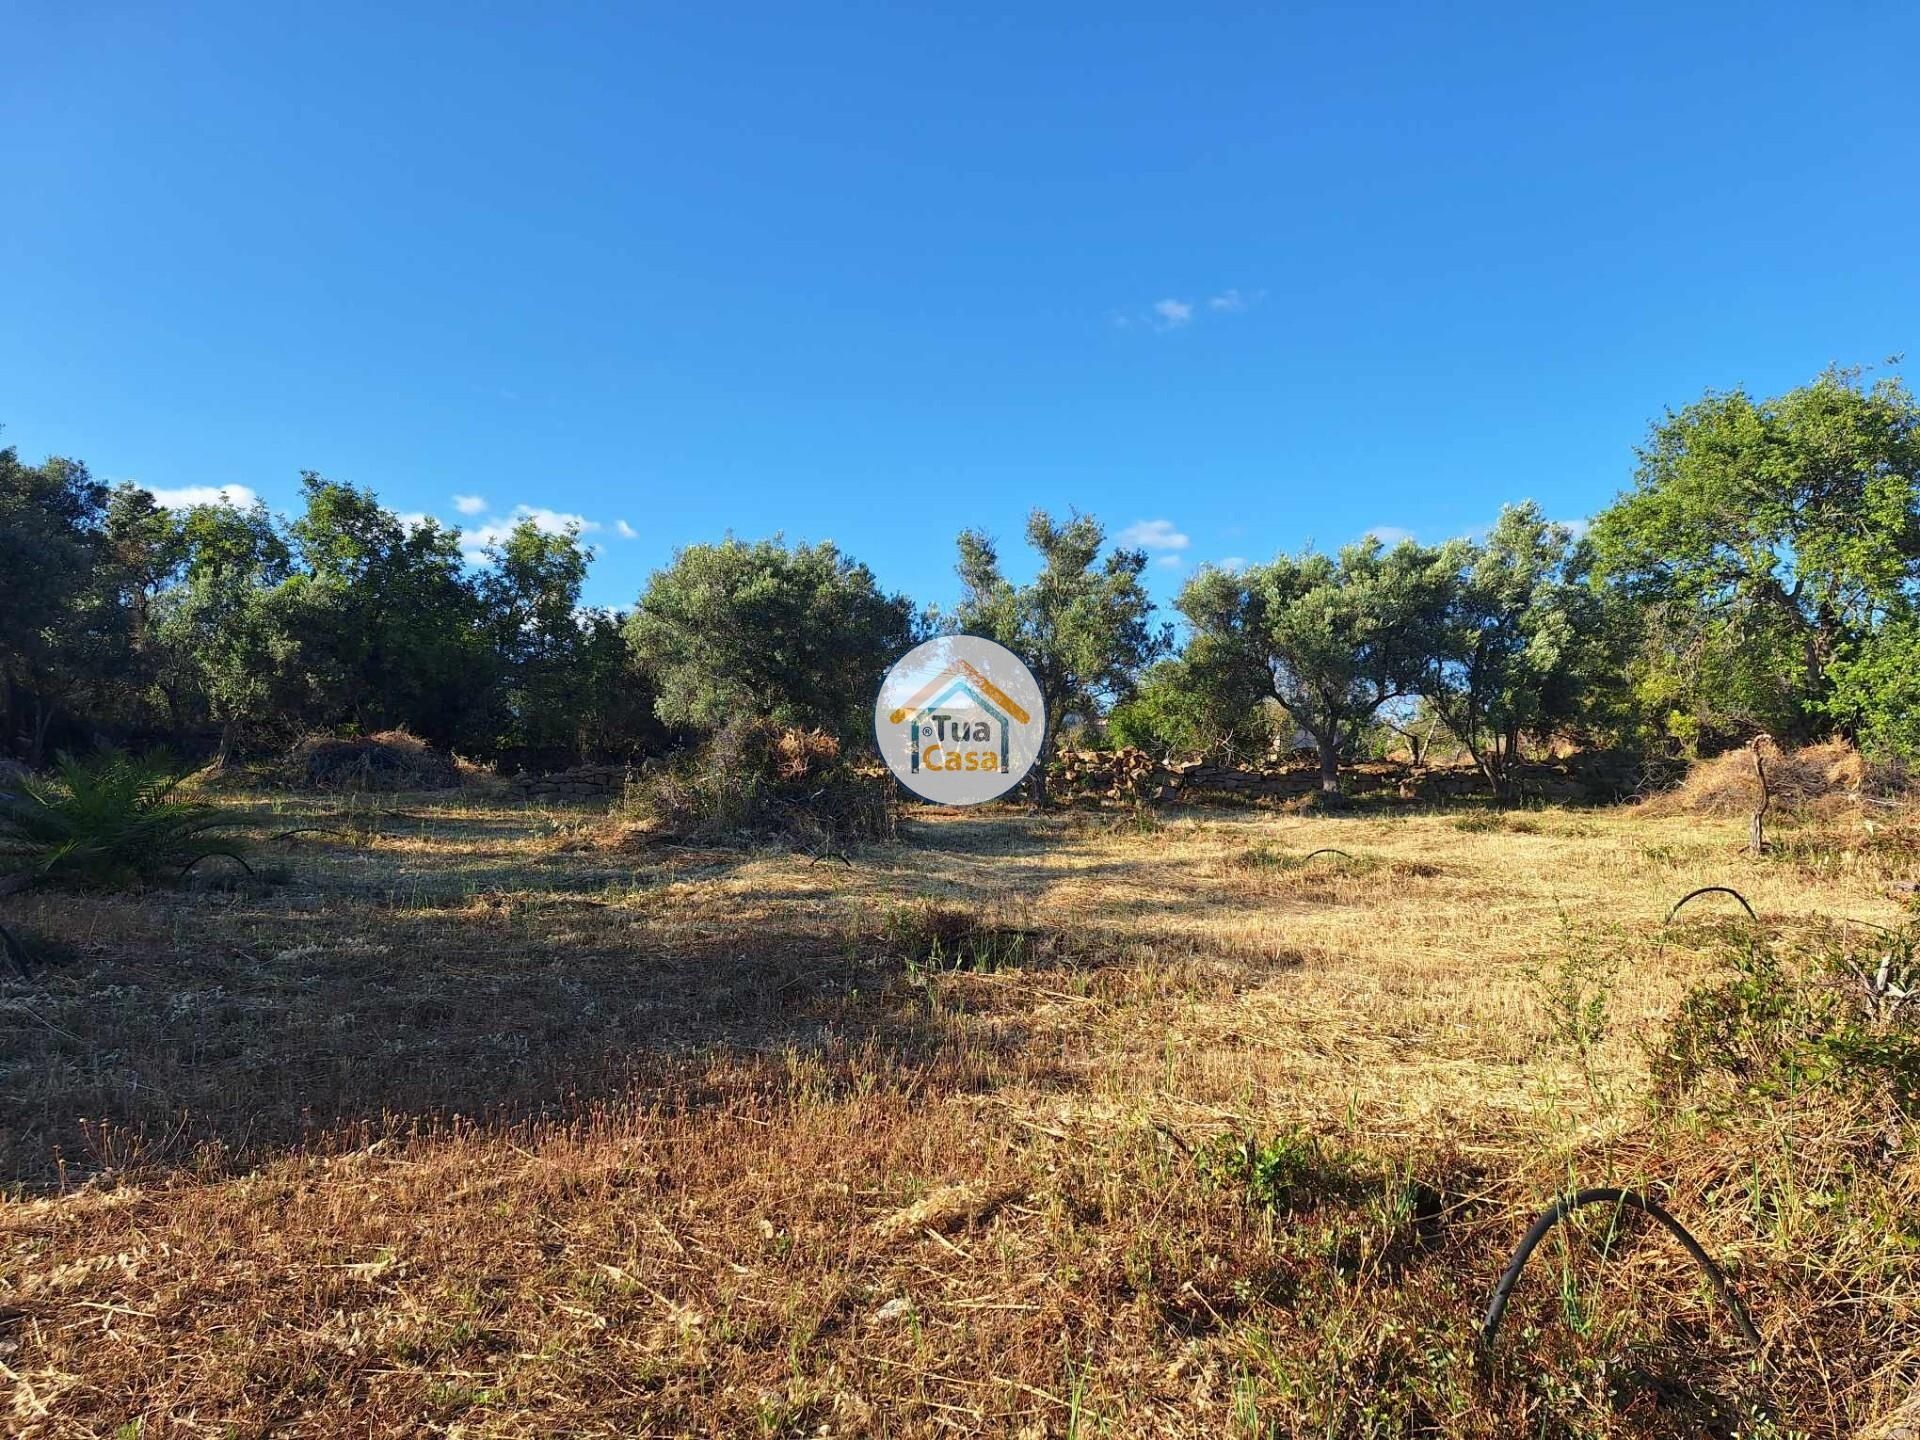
(480,1126)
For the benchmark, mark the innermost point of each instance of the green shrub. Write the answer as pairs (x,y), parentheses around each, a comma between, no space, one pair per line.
(1575,990)
(109,820)
(1833,1014)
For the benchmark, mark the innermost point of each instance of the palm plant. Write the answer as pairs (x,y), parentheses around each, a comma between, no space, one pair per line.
(111,819)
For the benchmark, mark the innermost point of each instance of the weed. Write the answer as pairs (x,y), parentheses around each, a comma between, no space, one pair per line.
(1496,822)
(938,937)
(1574,992)
(1292,1168)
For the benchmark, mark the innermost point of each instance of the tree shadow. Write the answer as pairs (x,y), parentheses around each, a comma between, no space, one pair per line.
(215,1031)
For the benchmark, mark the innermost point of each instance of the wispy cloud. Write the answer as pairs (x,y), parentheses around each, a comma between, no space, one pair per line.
(187,496)
(1168,562)
(1388,534)
(1153,535)
(1234,563)
(1177,313)
(1172,314)
(413,519)
(470,504)
(625,531)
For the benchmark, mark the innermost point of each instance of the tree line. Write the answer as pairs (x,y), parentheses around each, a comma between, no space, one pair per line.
(1760,573)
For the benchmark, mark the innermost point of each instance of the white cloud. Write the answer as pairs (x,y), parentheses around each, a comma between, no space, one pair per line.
(554,522)
(187,496)
(1232,301)
(1388,535)
(1153,535)
(413,519)
(1172,314)
(470,504)
(1577,528)
(475,538)
(625,531)
(1234,563)
(1171,562)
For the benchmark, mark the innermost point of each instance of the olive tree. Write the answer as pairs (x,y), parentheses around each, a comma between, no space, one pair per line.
(1764,540)
(1083,624)
(799,634)
(1335,637)
(1518,642)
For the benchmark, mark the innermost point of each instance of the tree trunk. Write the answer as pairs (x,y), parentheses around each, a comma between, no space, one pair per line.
(1329,745)
(1506,751)
(1037,777)
(42,722)
(1757,825)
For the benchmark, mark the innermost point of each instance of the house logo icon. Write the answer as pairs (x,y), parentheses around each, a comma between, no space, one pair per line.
(959,720)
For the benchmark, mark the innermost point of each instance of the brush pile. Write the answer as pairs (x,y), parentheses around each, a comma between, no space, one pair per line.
(391,760)
(1827,775)
(756,781)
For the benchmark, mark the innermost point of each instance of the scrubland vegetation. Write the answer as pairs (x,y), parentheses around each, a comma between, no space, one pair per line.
(1759,576)
(485,1119)
(349,1091)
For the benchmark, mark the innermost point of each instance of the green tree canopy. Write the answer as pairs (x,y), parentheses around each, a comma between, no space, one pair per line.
(383,617)
(61,625)
(217,658)
(1334,637)
(566,685)
(1764,539)
(1519,644)
(800,634)
(1203,701)
(1083,624)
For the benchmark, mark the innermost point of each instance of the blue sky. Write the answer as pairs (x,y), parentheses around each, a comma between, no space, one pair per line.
(875,273)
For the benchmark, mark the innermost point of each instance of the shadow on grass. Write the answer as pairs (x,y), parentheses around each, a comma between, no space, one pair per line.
(212,1030)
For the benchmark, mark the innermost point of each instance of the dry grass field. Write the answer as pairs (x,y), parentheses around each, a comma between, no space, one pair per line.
(475,1119)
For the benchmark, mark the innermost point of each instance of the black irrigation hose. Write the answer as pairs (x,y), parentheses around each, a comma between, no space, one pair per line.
(1565,1206)
(1712,890)
(1325,850)
(230,854)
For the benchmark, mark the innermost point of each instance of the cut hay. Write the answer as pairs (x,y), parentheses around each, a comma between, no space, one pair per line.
(1831,771)
(391,760)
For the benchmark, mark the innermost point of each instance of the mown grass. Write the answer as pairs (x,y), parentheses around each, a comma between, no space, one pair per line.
(480,1124)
